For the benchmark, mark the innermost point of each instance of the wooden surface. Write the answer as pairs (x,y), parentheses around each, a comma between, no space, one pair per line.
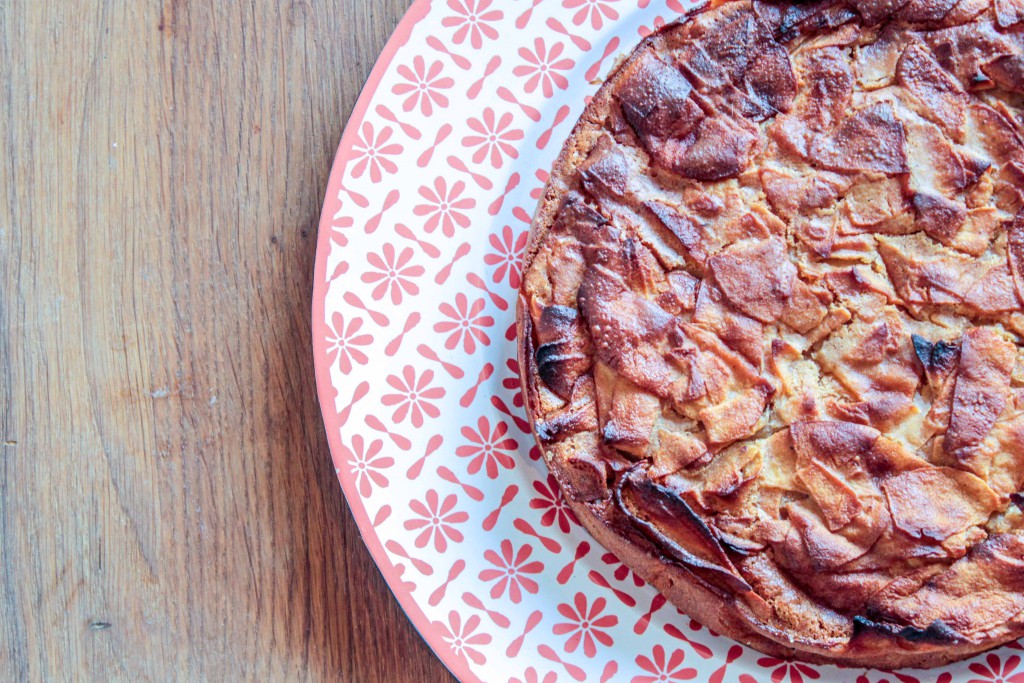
(168,509)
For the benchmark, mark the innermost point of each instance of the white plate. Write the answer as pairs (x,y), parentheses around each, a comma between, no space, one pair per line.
(424,223)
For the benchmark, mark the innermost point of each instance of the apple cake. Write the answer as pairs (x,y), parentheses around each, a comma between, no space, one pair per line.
(771,324)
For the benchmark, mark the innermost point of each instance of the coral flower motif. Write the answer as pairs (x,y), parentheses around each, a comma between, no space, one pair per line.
(542,176)
(644,31)
(492,137)
(997,671)
(487,448)
(392,271)
(796,670)
(373,152)
(621,572)
(473,19)
(598,10)
(659,668)
(414,397)
(423,86)
(585,625)
(507,255)
(437,520)
(531,676)
(444,207)
(554,505)
(511,571)
(342,342)
(514,383)
(463,637)
(542,67)
(365,461)
(465,324)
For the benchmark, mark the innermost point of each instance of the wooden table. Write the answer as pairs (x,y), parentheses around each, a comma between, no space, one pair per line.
(168,508)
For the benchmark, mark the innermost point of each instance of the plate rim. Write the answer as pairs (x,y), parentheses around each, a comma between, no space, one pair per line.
(458,667)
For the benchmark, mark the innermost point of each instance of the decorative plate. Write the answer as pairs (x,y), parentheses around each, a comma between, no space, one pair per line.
(418,263)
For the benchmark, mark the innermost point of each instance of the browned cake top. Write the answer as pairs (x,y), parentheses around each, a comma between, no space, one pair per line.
(773,314)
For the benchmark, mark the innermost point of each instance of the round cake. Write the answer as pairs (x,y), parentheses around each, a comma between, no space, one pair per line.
(771,324)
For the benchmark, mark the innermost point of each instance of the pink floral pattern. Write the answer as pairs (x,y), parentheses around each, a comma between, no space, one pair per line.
(645,31)
(554,505)
(423,86)
(995,670)
(415,397)
(508,248)
(444,206)
(465,323)
(541,67)
(343,342)
(512,383)
(472,19)
(621,571)
(662,667)
(585,624)
(366,463)
(493,137)
(531,676)
(465,638)
(597,10)
(511,572)
(373,150)
(436,519)
(793,672)
(487,448)
(394,272)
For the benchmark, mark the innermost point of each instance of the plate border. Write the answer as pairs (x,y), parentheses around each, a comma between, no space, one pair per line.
(324,386)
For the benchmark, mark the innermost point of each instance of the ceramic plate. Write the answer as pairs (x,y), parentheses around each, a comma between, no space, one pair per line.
(417,267)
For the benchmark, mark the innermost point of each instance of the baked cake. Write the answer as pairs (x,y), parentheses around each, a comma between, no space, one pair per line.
(771,324)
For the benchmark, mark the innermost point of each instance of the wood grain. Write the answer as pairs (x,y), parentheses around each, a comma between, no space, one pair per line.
(168,509)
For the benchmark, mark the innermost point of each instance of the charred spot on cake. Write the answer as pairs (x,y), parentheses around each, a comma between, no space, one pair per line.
(936,633)
(679,532)
(936,358)
(563,353)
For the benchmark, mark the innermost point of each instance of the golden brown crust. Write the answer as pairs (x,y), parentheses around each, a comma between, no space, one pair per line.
(771,324)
